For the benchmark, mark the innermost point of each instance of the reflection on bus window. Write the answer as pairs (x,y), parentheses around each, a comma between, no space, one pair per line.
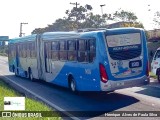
(92,50)
(72,53)
(63,50)
(55,50)
(82,53)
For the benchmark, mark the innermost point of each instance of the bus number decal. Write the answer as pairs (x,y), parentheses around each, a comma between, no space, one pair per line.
(87,71)
(134,64)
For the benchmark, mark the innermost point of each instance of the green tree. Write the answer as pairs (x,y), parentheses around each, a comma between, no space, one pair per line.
(77,18)
(82,17)
(77,15)
(129,19)
(133,24)
(94,21)
(60,25)
(124,16)
(38,31)
(156,18)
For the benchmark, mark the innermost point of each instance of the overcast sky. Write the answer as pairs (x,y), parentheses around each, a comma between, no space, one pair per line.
(40,13)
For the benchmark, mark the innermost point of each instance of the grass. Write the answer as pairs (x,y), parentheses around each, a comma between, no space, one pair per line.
(30,104)
(152,75)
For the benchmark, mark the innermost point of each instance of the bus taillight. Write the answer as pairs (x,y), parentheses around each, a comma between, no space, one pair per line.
(103,74)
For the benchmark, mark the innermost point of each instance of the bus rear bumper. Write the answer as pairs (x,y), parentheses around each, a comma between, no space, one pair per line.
(112,85)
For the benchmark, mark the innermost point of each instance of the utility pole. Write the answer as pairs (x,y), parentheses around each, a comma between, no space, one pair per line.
(75,4)
(75,25)
(20,34)
(102,8)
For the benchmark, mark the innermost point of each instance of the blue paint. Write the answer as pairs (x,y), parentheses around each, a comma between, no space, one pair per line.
(87,74)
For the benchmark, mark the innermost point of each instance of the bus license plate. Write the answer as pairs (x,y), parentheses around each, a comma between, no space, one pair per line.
(136,63)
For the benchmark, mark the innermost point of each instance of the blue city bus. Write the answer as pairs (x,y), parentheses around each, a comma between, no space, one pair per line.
(102,60)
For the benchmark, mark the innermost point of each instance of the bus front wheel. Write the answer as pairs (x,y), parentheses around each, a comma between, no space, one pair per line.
(16,72)
(30,75)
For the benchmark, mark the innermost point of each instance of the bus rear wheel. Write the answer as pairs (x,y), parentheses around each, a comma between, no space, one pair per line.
(72,85)
(16,72)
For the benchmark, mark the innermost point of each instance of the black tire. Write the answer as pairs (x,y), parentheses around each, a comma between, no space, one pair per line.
(16,72)
(72,85)
(31,76)
(26,74)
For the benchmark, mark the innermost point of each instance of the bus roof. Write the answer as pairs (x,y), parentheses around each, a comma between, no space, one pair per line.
(123,30)
(22,39)
(74,34)
(59,35)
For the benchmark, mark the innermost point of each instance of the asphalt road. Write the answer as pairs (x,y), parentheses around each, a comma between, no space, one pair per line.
(145,98)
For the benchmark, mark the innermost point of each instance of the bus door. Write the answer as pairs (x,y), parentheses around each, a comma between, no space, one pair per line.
(39,57)
(17,54)
(47,57)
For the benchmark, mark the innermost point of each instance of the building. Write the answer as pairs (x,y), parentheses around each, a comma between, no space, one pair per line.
(3,40)
(120,24)
(153,34)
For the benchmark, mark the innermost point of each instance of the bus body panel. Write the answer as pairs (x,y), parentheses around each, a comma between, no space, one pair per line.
(60,70)
(121,73)
(20,61)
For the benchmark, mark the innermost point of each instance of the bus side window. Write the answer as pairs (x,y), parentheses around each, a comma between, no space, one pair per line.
(19,51)
(10,50)
(33,51)
(28,50)
(82,53)
(72,53)
(63,50)
(55,50)
(23,47)
(22,50)
(92,49)
(48,50)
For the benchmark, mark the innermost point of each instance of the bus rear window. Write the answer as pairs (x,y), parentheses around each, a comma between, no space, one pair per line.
(124,46)
(123,39)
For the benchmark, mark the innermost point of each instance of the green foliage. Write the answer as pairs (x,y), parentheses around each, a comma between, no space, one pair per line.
(38,31)
(129,19)
(157,18)
(133,24)
(94,21)
(30,104)
(4,50)
(125,16)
